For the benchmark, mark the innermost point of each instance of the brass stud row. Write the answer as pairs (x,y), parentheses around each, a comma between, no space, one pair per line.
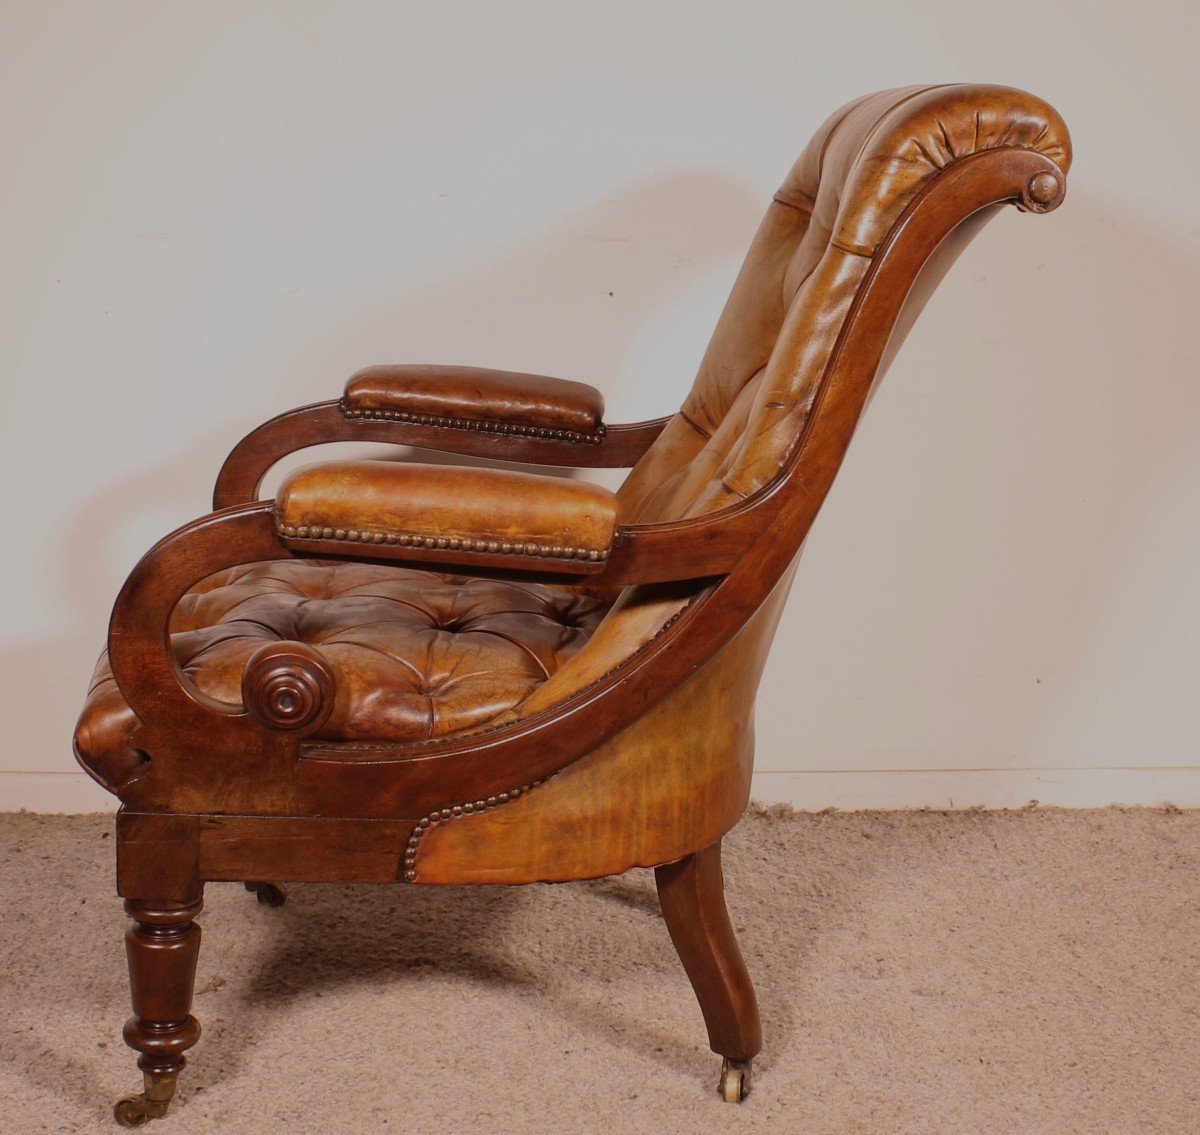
(451,543)
(479,425)
(440,815)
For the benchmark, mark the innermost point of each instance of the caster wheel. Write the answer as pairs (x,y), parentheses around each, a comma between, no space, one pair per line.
(138,1109)
(135,1111)
(269,894)
(735,1080)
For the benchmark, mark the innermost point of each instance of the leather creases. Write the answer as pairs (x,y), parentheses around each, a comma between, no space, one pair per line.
(413,654)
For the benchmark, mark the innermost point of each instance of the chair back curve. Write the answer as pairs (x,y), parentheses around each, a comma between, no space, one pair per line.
(818,250)
(757,380)
(866,223)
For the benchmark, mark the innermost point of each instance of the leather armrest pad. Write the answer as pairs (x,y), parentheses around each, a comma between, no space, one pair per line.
(473,398)
(445,507)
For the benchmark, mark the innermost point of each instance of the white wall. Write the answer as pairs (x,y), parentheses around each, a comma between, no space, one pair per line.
(213,212)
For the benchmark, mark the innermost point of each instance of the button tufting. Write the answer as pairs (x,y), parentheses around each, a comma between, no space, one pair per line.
(415,654)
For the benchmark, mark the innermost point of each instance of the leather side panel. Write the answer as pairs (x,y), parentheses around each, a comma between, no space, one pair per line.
(671,784)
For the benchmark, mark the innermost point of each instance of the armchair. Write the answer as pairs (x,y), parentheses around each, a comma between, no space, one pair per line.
(435,675)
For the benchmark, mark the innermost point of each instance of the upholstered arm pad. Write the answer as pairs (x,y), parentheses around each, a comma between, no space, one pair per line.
(472,398)
(446,510)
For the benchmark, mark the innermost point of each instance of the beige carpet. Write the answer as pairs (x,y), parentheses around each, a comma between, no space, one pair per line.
(969,972)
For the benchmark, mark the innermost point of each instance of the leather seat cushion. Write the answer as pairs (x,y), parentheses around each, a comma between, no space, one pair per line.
(416,654)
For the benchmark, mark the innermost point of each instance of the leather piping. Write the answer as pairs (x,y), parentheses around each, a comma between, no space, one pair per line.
(477,425)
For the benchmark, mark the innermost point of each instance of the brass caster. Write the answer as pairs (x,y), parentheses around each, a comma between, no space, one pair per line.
(735,1080)
(138,1109)
(269,894)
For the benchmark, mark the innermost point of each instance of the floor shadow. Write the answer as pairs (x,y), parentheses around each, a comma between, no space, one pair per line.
(636,892)
(329,939)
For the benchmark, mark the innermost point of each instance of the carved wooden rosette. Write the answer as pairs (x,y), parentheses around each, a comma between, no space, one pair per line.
(289,687)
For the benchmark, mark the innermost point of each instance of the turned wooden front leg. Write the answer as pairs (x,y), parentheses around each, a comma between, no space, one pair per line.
(162,946)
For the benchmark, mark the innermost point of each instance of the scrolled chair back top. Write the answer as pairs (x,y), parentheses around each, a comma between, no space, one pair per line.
(813,252)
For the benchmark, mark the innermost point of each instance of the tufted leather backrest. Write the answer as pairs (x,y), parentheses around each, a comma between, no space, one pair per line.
(768,356)
(756,383)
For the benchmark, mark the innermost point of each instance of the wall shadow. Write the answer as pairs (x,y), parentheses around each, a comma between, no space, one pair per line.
(1028,373)
(643,245)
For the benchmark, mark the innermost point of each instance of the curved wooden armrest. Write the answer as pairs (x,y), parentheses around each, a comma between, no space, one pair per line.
(242,474)
(288,688)
(139,640)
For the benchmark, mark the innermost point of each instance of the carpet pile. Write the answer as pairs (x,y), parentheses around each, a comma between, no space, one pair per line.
(966,973)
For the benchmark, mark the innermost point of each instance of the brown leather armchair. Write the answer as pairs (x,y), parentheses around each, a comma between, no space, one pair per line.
(427,674)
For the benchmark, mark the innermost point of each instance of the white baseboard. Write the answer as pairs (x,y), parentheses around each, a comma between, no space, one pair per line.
(858,790)
(809,791)
(53,792)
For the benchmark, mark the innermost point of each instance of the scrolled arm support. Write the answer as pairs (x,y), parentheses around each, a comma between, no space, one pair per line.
(139,646)
(287,687)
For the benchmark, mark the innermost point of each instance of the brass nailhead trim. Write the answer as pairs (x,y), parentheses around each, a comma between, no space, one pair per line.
(453,543)
(439,815)
(478,425)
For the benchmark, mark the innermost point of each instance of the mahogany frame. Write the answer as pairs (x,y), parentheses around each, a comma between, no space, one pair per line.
(224,795)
